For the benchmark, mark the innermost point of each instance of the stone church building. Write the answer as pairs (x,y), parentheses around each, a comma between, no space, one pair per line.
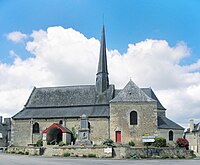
(53,113)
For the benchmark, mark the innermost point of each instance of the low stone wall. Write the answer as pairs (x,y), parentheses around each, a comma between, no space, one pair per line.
(100,152)
(122,152)
(134,152)
(25,150)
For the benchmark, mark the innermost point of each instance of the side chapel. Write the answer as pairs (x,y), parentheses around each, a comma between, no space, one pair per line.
(53,114)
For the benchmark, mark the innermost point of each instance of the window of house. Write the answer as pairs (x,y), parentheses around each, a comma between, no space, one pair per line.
(133,118)
(171,136)
(36,128)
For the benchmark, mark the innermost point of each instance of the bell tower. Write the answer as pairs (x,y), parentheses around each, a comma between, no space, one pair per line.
(102,81)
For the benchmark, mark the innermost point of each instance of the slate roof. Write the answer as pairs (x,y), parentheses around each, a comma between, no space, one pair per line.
(165,123)
(150,93)
(62,112)
(132,93)
(68,101)
(67,96)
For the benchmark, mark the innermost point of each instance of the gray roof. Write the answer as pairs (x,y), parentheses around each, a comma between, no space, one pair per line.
(68,96)
(132,93)
(151,94)
(63,112)
(165,123)
(68,101)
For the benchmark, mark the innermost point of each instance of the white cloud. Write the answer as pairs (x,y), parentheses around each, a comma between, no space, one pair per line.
(17,37)
(67,57)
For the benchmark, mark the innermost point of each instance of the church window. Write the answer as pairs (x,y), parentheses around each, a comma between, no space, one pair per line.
(89,127)
(171,136)
(133,118)
(60,122)
(36,128)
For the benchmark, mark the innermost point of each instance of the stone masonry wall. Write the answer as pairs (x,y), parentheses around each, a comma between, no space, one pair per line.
(22,129)
(120,121)
(165,134)
(103,152)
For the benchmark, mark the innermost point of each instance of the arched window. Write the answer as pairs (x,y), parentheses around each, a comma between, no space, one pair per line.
(60,122)
(89,126)
(36,128)
(133,118)
(171,136)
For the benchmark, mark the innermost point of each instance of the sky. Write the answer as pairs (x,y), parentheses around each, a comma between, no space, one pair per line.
(156,43)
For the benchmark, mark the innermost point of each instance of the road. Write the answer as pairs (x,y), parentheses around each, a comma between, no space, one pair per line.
(8,159)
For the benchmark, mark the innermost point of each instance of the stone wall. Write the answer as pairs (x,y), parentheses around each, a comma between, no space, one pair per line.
(165,134)
(122,152)
(194,141)
(21,133)
(134,152)
(3,134)
(120,120)
(23,128)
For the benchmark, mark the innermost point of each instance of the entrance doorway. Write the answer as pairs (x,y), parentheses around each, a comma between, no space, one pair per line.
(118,136)
(54,136)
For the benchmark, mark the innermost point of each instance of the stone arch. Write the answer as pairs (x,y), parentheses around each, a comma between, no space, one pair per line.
(133,118)
(54,136)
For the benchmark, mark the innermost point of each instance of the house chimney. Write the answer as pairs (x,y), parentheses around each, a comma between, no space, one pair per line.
(191,125)
(1,119)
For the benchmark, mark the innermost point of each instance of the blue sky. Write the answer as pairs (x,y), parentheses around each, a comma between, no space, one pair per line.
(127,21)
(156,42)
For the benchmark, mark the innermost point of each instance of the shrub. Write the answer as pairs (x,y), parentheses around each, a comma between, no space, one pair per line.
(39,143)
(131,143)
(92,155)
(61,143)
(181,142)
(108,142)
(66,154)
(159,142)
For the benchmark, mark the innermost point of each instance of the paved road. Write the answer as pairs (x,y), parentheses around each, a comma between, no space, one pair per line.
(7,159)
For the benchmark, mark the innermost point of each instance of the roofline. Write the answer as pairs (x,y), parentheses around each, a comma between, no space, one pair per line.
(97,105)
(58,117)
(173,128)
(30,96)
(154,101)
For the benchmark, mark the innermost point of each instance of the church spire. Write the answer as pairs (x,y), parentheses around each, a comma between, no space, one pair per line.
(102,82)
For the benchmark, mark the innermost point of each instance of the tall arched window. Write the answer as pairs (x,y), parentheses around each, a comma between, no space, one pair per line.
(36,128)
(171,135)
(89,127)
(133,118)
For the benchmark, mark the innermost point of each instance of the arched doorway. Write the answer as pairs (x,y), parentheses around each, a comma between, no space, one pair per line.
(54,136)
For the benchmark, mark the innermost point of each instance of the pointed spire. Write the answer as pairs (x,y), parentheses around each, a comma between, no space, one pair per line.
(102,82)
(102,67)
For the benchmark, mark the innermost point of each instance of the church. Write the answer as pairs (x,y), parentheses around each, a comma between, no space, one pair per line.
(53,114)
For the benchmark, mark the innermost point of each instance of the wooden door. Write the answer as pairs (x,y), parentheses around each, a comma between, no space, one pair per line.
(118,136)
